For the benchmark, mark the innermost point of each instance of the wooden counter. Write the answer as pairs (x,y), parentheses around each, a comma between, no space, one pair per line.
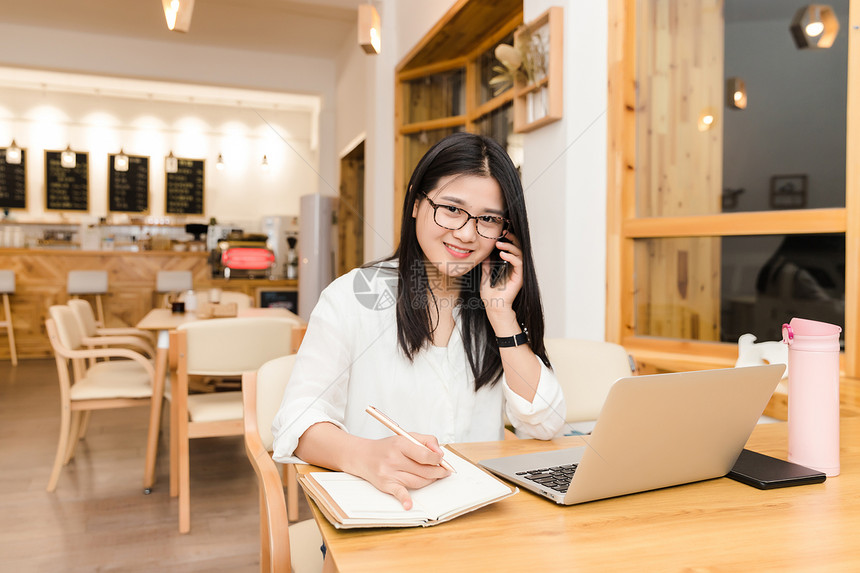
(40,276)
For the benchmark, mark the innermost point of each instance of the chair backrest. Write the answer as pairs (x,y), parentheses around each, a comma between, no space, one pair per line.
(586,370)
(68,330)
(85,316)
(242,300)
(272,379)
(231,346)
(87,282)
(7,282)
(173,281)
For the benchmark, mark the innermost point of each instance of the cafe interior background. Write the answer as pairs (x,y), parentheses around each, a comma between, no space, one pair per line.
(667,214)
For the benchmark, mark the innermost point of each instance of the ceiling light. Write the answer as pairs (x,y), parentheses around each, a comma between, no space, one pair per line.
(178,14)
(369,34)
(120,161)
(68,158)
(171,163)
(707,119)
(219,165)
(814,26)
(265,163)
(13,154)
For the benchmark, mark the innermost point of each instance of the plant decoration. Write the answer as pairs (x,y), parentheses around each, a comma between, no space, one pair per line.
(525,61)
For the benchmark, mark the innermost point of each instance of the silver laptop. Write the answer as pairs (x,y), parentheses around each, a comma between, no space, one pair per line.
(653,431)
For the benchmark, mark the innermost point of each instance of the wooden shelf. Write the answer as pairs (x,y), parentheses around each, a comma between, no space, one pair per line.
(539,100)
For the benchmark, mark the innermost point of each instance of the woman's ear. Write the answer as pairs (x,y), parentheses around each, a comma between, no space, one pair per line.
(415,206)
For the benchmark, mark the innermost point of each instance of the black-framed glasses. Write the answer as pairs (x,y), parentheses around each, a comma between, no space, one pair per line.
(454,218)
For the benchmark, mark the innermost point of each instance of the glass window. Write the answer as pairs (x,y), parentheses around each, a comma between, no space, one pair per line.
(435,97)
(762,282)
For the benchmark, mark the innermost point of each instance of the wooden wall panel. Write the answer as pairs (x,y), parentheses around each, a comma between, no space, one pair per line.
(40,277)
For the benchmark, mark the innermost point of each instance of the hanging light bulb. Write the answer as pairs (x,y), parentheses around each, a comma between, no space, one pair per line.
(13,154)
(707,118)
(177,13)
(265,163)
(68,158)
(219,165)
(120,161)
(815,26)
(369,32)
(171,163)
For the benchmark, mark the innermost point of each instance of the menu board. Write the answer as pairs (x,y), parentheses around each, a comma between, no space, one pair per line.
(128,191)
(13,182)
(66,189)
(185,188)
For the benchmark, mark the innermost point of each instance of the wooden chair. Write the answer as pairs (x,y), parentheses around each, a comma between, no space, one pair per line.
(586,370)
(102,385)
(93,283)
(282,546)
(93,336)
(219,347)
(7,287)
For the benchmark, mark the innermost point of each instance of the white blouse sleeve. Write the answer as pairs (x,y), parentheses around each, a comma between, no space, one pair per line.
(543,417)
(317,389)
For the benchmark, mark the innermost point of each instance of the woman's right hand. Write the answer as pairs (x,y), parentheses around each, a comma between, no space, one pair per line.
(395,465)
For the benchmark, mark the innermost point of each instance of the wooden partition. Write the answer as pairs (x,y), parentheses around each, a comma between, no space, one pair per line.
(40,276)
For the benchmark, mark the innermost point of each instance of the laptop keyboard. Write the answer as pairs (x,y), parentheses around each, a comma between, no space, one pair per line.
(556,478)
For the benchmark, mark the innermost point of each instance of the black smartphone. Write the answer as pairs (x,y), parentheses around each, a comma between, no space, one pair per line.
(498,267)
(766,472)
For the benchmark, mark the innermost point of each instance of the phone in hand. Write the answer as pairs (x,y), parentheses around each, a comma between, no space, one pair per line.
(498,267)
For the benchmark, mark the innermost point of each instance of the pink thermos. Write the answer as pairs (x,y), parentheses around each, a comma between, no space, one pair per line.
(813,394)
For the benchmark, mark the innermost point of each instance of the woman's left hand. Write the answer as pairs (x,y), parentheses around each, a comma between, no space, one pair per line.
(501,296)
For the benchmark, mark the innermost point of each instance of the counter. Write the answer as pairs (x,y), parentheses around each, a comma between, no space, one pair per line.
(40,276)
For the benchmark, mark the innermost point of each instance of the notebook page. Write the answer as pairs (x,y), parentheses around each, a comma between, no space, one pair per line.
(359,499)
(468,487)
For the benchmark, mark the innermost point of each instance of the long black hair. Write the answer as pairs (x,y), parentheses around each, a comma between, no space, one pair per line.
(465,154)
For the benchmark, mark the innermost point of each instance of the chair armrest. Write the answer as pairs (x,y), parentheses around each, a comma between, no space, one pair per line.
(134,341)
(110,353)
(128,331)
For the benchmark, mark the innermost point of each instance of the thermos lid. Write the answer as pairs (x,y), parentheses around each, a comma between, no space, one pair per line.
(811,334)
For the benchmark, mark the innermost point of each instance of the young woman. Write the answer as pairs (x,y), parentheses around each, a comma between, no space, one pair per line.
(445,336)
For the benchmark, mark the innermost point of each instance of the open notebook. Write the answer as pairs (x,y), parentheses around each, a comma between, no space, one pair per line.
(348,501)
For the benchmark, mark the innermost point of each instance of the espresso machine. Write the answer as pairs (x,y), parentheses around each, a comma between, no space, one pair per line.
(242,255)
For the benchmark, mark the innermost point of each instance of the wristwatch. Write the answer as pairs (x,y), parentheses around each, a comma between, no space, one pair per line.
(509,341)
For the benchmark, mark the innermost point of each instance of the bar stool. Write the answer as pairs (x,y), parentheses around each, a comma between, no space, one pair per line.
(168,282)
(89,283)
(7,287)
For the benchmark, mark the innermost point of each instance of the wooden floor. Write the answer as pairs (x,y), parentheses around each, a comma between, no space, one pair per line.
(99,519)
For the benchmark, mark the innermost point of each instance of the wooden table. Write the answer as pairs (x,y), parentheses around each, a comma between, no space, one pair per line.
(162,321)
(715,525)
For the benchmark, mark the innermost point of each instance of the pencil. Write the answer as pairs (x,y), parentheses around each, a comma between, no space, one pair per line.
(394,427)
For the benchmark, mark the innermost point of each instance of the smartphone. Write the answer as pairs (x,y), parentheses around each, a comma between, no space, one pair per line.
(498,267)
(766,472)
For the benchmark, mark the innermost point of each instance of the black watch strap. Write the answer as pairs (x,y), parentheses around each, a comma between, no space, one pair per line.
(509,341)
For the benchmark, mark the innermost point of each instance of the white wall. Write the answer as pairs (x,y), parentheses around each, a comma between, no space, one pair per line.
(564,175)
(296,170)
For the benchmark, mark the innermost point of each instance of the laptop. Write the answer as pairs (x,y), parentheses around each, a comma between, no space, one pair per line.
(653,431)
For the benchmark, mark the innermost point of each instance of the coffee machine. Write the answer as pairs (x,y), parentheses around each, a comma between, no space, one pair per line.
(282,232)
(242,255)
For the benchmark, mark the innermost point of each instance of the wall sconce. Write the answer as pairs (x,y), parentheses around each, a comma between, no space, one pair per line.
(178,14)
(369,35)
(707,119)
(219,164)
(68,158)
(13,154)
(736,93)
(265,163)
(171,163)
(120,161)
(814,26)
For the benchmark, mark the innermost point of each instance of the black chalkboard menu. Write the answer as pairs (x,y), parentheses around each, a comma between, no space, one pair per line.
(185,188)
(13,182)
(66,189)
(128,191)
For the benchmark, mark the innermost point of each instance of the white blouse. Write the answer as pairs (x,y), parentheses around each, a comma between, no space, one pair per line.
(350,359)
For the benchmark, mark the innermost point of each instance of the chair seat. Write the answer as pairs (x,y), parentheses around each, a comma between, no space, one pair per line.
(305,542)
(215,407)
(115,379)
